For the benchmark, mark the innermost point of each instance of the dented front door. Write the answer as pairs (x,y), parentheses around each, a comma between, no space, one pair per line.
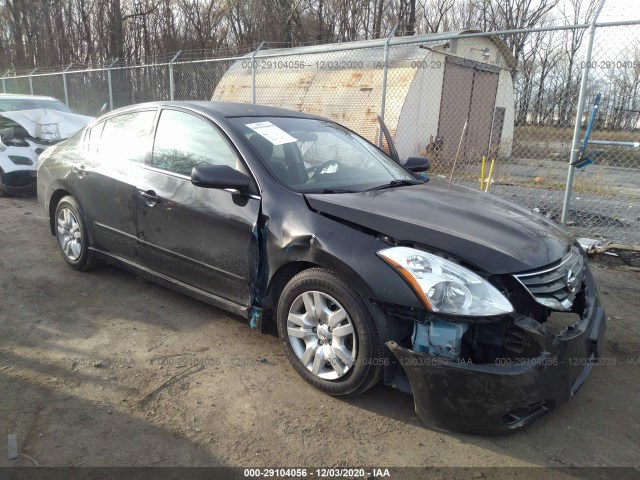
(205,238)
(201,237)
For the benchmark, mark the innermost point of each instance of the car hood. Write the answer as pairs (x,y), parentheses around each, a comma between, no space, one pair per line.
(489,233)
(49,125)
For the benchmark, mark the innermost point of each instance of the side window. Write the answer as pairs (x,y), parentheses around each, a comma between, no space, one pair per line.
(184,141)
(125,137)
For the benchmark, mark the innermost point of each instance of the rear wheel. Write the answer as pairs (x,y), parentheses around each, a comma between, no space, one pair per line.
(72,234)
(328,333)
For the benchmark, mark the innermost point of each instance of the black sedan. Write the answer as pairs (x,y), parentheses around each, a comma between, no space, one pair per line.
(370,271)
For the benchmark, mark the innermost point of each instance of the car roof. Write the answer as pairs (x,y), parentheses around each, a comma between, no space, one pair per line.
(226,109)
(27,97)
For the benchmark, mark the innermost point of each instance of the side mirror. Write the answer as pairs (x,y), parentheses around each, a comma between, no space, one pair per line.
(417,164)
(220,177)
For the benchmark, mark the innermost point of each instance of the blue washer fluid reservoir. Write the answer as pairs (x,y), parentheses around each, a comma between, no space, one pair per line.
(439,338)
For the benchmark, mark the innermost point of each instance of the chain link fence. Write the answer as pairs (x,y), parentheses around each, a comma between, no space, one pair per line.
(486,119)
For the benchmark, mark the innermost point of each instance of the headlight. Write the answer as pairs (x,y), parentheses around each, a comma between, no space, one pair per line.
(444,286)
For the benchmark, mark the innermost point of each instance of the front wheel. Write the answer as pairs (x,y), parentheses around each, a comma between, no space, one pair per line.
(4,191)
(328,333)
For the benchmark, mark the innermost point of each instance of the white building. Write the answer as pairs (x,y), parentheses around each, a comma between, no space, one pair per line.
(434,86)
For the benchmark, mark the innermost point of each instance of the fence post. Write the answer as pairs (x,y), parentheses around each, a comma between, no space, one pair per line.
(31,79)
(171,83)
(4,86)
(384,79)
(575,143)
(110,84)
(253,72)
(64,84)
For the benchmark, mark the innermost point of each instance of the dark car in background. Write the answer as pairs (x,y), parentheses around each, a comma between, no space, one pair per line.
(370,272)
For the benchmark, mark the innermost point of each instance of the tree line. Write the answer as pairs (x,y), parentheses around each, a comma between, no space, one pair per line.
(55,33)
(92,32)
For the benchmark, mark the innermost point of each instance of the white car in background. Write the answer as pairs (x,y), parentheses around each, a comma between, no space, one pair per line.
(30,124)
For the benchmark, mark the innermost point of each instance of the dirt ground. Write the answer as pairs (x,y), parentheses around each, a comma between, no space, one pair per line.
(103,369)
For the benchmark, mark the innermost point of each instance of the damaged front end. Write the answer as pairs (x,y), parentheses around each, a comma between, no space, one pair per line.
(18,162)
(24,135)
(492,375)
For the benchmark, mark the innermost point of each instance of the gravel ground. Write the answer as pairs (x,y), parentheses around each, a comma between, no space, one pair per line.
(614,217)
(103,369)
(592,216)
(609,210)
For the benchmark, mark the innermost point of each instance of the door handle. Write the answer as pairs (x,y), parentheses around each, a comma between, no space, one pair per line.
(150,198)
(81,170)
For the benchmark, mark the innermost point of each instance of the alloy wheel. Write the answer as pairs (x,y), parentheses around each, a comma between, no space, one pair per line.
(69,234)
(322,335)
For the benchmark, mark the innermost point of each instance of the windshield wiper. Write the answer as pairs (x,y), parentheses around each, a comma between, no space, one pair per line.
(395,183)
(336,190)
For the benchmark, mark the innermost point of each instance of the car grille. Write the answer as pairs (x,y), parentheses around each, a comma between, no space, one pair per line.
(556,287)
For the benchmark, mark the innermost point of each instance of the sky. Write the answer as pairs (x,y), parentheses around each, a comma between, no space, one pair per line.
(616,10)
(619,43)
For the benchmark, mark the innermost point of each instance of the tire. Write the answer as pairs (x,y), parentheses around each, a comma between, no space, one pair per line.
(3,191)
(338,364)
(72,235)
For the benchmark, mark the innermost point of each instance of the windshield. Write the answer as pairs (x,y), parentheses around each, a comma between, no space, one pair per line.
(309,155)
(13,104)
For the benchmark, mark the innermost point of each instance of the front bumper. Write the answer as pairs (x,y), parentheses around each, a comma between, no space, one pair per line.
(493,399)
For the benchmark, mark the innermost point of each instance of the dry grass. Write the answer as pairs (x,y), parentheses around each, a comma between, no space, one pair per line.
(592,185)
(536,133)
(555,144)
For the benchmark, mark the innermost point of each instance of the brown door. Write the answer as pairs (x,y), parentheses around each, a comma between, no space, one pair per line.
(483,100)
(454,108)
(468,93)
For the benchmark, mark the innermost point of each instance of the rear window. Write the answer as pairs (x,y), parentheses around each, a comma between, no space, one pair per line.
(124,137)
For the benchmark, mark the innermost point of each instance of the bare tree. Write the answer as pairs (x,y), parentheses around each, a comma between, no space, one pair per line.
(573,12)
(436,14)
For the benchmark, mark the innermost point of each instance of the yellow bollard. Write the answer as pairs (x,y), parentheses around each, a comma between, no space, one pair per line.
(486,188)
(484,159)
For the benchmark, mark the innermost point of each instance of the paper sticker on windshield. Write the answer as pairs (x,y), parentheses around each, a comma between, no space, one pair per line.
(274,134)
